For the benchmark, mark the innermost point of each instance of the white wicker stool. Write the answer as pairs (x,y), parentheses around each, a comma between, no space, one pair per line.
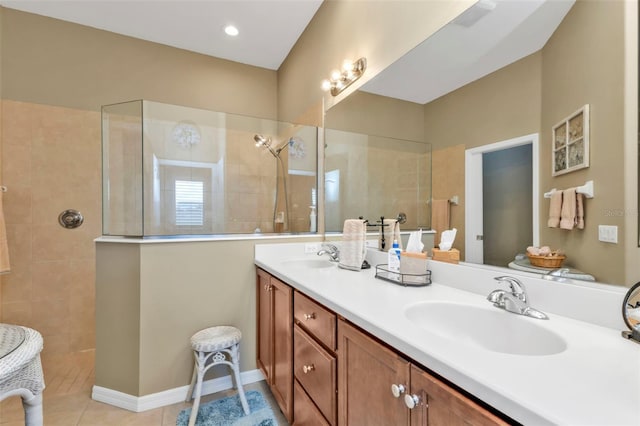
(211,347)
(21,370)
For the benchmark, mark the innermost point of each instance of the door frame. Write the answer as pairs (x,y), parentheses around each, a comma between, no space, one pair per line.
(473,216)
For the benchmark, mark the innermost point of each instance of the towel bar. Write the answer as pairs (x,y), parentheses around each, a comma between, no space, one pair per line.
(586,190)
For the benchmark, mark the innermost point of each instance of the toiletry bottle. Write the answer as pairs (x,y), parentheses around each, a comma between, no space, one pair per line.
(394,257)
(312,219)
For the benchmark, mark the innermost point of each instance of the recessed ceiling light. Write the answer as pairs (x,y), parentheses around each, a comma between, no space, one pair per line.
(231,30)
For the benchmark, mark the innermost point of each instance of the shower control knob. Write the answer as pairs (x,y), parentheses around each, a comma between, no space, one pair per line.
(397,390)
(70,219)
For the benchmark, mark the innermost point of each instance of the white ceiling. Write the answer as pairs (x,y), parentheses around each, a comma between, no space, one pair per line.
(268,28)
(459,54)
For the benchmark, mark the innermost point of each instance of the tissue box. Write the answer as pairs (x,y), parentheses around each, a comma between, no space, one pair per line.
(451,256)
(413,264)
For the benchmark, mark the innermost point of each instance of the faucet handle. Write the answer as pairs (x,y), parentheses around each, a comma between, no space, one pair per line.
(517,288)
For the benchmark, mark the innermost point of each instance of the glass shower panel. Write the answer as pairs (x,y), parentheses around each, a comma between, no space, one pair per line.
(204,173)
(122,169)
(373,176)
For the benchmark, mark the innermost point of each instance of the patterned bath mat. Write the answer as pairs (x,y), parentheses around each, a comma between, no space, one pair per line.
(228,412)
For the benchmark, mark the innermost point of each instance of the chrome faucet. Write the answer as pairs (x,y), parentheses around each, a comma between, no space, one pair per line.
(332,251)
(559,275)
(514,301)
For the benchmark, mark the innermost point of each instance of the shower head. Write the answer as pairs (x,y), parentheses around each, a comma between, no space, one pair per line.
(265,141)
(261,140)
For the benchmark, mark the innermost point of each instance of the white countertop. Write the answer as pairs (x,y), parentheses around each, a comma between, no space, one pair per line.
(595,381)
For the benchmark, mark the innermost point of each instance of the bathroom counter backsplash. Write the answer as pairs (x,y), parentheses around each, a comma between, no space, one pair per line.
(595,380)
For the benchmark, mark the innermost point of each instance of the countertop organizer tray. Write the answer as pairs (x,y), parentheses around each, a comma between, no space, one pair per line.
(407,280)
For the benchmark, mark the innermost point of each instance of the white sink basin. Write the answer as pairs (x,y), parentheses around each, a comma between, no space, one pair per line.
(310,262)
(491,328)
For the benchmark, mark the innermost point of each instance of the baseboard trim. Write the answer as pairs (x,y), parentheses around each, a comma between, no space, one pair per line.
(170,396)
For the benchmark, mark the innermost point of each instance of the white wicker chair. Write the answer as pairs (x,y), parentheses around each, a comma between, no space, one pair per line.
(215,346)
(21,370)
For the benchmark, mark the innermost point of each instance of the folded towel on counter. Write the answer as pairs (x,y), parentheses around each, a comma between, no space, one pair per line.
(391,231)
(579,211)
(353,247)
(568,211)
(440,213)
(555,207)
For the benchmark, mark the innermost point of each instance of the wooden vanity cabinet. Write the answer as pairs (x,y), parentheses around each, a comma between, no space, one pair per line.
(274,338)
(365,375)
(368,370)
(326,372)
(314,338)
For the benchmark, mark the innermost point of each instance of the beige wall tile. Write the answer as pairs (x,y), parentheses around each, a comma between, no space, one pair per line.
(50,280)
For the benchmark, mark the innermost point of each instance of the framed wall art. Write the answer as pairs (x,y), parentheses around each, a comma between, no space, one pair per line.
(570,143)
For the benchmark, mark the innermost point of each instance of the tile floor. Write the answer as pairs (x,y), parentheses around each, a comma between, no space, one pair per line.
(67,400)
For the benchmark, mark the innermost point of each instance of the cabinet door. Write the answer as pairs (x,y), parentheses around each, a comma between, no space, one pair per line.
(366,372)
(264,327)
(437,404)
(282,374)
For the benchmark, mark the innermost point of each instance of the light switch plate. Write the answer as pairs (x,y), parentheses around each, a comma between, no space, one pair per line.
(608,233)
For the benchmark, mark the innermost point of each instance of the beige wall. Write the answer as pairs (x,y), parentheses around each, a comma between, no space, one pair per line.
(53,62)
(57,76)
(371,114)
(582,63)
(381,31)
(500,106)
(153,297)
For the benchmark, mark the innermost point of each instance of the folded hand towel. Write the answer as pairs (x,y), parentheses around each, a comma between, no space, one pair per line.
(439,218)
(555,206)
(580,211)
(353,247)
(568,211)
(4,247)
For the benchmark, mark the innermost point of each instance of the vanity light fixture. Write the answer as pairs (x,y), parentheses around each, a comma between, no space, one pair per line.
(340,80)
(231,30)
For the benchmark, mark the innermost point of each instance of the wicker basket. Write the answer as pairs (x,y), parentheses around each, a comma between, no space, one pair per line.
(546,261)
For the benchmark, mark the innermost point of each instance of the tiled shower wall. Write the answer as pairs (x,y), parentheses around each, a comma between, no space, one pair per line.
(50,163)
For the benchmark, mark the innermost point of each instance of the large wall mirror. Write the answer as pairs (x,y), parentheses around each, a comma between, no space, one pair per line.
(498,72)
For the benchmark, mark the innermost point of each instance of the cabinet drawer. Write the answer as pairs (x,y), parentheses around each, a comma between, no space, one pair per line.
(305,411)
(317,320)
(315,369)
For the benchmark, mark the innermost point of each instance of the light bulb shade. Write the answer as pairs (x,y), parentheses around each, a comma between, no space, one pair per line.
(326,85)
(335,75)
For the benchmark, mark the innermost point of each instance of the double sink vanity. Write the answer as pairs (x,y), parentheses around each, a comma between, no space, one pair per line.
(342,347)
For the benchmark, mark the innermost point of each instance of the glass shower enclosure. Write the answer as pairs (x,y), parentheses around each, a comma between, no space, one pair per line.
(171,170)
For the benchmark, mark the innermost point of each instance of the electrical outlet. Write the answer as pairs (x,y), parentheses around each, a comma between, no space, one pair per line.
(312,247)
(608,234)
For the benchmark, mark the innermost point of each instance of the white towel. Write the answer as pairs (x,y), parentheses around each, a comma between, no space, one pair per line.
(555,206)
(569,207)
(353,247)
(391,231)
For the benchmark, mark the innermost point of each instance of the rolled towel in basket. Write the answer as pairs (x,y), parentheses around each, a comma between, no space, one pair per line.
(353,247)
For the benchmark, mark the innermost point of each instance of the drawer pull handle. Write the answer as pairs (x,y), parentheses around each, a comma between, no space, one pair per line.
(308,368)
(397,390)
(411,401)
(310,316)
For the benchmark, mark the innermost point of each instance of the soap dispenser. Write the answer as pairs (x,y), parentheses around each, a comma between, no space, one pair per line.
(312,219)
(393,262)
